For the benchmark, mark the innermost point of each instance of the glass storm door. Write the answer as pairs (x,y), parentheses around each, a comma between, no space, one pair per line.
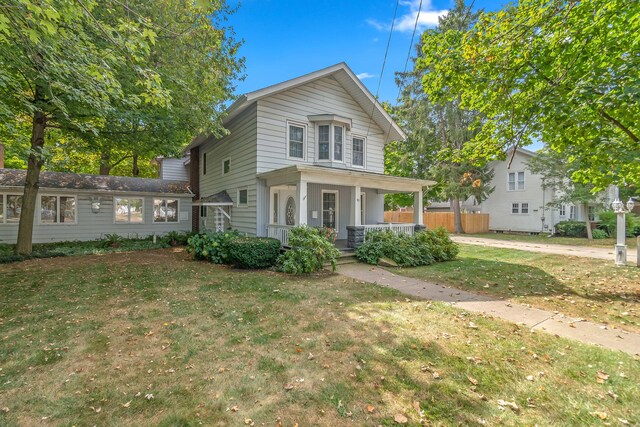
(330,210)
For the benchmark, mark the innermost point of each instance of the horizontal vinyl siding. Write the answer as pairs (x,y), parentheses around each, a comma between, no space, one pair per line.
(92,226)
(240,148)
(174,169)
(324,96)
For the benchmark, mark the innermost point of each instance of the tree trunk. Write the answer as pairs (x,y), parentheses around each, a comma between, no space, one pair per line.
(105,165)
(27,213)
(136,170)
(457,216)
(587,221)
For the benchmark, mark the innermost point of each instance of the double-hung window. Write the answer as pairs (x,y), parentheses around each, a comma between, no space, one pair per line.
(57,209)
(296,141)
(520,208)
(563,210)
(357,152)
(324,142)
(515,208)
(515,181)
(165,210)
(331,142)
(338,136)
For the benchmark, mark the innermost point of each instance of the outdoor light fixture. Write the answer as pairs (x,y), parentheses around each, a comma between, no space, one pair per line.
(630,204)
(621,247)
(95,205)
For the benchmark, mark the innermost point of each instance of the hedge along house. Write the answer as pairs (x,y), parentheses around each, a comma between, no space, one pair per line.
(86,207)
(306,151)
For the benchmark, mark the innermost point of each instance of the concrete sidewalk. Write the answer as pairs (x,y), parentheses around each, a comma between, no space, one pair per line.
(536,319)
(548,248)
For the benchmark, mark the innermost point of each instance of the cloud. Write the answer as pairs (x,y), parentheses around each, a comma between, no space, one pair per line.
(407,19)
(365,75)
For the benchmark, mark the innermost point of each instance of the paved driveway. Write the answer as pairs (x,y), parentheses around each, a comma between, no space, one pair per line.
(581,251)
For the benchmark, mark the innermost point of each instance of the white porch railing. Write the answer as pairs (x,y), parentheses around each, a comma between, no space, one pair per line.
(396,228)
(280,232)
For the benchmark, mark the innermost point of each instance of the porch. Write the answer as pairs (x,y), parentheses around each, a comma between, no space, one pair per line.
(350,202)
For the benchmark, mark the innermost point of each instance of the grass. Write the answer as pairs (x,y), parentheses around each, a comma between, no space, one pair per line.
(556,240)
(153,338)
(582,287)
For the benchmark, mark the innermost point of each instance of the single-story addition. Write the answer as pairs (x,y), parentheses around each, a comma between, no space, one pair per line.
(305,151)
(86,207)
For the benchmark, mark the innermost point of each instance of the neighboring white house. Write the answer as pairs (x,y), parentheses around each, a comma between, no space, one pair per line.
(306,151)
(520,204)
(86,207)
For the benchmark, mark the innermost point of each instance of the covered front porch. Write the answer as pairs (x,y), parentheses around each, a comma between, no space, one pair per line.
(350,202)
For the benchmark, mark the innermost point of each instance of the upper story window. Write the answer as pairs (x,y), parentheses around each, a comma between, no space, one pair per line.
(515,181)
(204,163)
(226,166)
(296,141)
(331,142)
(57,209)
(243,197)
(357,152)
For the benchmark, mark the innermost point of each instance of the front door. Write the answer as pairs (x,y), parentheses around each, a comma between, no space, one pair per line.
(330,209)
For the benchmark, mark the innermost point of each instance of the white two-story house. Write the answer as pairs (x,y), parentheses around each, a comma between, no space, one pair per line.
(306,151)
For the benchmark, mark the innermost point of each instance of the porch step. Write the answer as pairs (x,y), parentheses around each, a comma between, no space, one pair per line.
(348,257)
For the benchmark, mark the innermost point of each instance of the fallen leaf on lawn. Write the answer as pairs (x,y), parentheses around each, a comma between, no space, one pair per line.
(529,377)
(288,387)
(611,394)
(601,377)
(400,419)
(235,408)
(623,421)
(4,410)
(601,415)
(473,325)
(473,380)
(148,396)
(249,422)
(370,409)
(530,403)
(126,405)
(510,405)
(310,357)
(436,375)
(416,405)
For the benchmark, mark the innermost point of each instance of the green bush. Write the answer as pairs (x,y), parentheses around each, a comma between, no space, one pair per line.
(597,233)
(608,222)
(212,246)
(423,248)
(310,250)
(175,238)
(112,240)
(571,229)
(254,252)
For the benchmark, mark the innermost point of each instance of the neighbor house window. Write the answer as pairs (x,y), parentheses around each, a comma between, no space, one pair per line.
(128,210)
(515,208)
(13,207)
(515,181)
(331,142)
(357,152)
(563,210)
(592,213)
(572,212)
(226,166)
(296,141)
(520,208)
(242,197)
(524,208)
(165,210)
(57,209)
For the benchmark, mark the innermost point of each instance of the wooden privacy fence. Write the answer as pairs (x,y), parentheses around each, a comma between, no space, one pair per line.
(471,223)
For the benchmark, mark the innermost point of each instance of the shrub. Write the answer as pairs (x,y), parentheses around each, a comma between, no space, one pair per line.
(211,246)
(599,234)
(608,222)
(571,229)
(423,248)
(175,238)
(112,240)
(310,250)
(254,252)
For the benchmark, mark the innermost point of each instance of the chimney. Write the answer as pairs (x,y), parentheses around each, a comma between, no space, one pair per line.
(1,155)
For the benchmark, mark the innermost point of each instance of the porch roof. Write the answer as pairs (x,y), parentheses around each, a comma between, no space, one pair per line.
(219,199)
(346,177)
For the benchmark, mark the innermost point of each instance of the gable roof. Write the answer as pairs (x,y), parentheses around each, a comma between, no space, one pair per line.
(347,79)
(97,183)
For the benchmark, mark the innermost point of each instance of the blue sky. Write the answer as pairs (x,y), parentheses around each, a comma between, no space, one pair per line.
(284,39)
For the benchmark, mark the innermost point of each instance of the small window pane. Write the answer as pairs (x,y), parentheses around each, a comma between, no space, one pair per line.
(515,208)
(563,211)
(226,166)
(525,208)
(203,211)
(122,210)
(135,211)
(48,209)
(68,209)
(275,208)
(512,181)
(242,197)
(290,211)
(296,141)
(172,210)
(14,207)
(159,210)
(1,208)
(358,151)
(204,163)
(337,143)
(520,180)
(323,142)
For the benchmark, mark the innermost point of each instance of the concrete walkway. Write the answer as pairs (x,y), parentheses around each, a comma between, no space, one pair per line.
(548,248)
(536,319)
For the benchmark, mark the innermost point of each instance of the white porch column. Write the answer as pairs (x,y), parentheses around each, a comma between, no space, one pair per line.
(356,205)
(301,201)
(417,208)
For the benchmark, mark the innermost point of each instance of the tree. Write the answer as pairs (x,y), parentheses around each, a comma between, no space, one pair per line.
(556,171)
(554,70)
(78,65)
(437,132)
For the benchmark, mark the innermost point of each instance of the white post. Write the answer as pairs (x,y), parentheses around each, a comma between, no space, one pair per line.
(621,247)
(417,208)
(356,205)
(301,197)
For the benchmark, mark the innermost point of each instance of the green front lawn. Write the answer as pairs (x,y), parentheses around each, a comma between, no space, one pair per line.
(556,240)
(582,287)
(154,338)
